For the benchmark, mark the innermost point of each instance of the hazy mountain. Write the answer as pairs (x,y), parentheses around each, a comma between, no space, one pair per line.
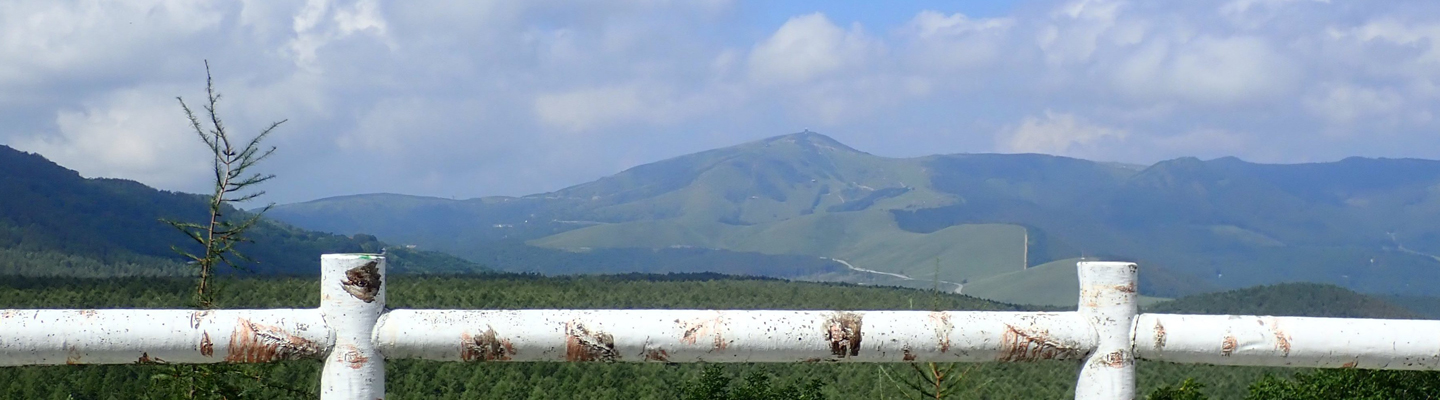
(53,222)
(1367,224)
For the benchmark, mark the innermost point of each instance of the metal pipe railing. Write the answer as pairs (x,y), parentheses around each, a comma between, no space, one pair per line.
(353,334)
(1289,341)
(53,337)
(731,335)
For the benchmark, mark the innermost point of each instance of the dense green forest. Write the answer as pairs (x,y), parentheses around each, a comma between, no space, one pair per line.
(423,379)
(1294,299)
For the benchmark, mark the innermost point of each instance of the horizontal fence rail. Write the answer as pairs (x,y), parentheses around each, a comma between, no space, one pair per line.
(1289,341)
(730,336)
(53,337)
(353,334)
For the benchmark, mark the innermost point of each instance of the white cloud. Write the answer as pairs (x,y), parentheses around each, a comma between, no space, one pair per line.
(1414,47)
(521,97)
(45,42)
(313,31)
(1347,104)
(1058,133)
(587,109)
(929,24)
(1252,14)
(1076,29)
(942,43)
(131,134)
(1204,142)
(1229,70)
(808,48)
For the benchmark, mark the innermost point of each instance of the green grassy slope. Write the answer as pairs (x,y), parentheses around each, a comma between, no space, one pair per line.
(1049,284)
(1056,284)
(864,239)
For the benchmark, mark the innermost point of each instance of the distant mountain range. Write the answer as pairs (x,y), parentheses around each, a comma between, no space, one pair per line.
(985,224)
(53,222)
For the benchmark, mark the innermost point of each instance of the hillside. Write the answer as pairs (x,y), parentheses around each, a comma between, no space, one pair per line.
(1292,299)
(1366,224)
(53,222)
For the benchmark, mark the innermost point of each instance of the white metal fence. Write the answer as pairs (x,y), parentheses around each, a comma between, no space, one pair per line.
(354,334)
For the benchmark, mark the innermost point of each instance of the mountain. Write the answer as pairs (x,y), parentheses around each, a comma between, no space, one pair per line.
(950,220)
(53,222)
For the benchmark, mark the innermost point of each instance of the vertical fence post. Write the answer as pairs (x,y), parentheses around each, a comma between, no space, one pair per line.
(352,296)
(1109,303)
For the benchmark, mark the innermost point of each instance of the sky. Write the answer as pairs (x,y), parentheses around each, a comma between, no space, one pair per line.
(480,98)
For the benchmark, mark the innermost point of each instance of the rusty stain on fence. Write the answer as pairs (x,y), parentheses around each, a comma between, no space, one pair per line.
(1282,340)
(1020,345)
(696,329)
(353,358)
(1227,347)
(486,346)
(251,342)
(363,282)
(657,355)
(1117,359)
(843,333)
(196,317)
(909,355)
(145,358)
(1159,336)
(583,345)
(207,348)
(1089,297)
(72,356)
(943,329)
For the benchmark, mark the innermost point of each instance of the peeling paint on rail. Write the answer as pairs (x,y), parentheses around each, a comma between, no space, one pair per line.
(257,343)
(582,344)
(843,332)
(703,327)
(363,282)
(1035,344)
(728,335)
(487,346)
(128,336)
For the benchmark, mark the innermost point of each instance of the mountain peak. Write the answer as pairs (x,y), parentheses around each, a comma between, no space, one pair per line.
(809,140)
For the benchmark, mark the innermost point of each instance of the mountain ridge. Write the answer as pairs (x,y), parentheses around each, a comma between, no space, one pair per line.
(1365,224)
(54,222)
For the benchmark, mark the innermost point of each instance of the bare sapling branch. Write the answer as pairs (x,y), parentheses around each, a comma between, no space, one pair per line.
(233,184)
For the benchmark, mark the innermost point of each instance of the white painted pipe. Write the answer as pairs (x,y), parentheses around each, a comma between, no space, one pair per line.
(1108,303)
(352,330)
(352,297)
(1289,341)
(49,337)
(731,336)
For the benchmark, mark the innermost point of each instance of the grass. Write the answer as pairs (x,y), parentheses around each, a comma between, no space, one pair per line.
(867,239)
